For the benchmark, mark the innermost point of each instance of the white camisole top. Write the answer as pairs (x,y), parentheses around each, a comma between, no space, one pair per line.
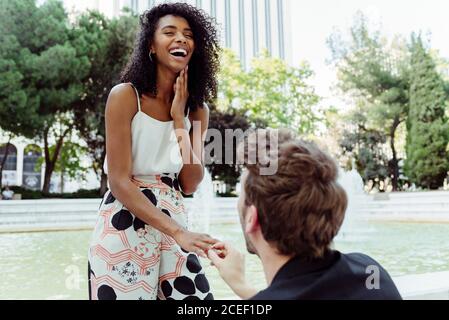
(155,149)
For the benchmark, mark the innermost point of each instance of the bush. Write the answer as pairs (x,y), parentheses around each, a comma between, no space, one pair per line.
(80,194)
(226,195)
(37,194)
(27,193)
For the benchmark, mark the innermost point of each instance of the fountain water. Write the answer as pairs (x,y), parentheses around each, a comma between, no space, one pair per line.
(353,224)
(203,204)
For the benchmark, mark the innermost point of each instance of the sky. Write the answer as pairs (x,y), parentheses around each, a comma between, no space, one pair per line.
(313,21)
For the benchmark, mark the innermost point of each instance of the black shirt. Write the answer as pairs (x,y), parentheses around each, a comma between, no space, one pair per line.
(335,276)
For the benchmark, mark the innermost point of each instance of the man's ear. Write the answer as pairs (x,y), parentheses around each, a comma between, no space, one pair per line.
(251,219)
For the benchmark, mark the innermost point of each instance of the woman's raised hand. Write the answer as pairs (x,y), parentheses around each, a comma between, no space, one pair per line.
(181,95)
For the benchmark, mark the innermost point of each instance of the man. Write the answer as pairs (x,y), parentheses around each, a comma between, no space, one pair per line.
(289,220)
(7,193)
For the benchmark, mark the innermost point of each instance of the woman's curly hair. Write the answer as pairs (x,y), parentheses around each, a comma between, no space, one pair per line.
(204,63)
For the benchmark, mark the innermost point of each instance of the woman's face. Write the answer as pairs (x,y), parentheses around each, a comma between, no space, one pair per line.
(173,43)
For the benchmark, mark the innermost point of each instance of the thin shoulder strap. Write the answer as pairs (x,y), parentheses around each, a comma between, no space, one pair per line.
(137,96)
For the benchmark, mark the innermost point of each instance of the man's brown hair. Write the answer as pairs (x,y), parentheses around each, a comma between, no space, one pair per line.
(301,207)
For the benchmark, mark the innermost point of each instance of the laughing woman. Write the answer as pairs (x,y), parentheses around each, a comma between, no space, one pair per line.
(141,248)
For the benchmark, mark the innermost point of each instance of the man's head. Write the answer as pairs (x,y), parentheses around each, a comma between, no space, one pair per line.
(299,209)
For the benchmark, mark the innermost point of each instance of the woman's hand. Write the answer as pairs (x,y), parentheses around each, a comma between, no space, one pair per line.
(181,95)
(199,243)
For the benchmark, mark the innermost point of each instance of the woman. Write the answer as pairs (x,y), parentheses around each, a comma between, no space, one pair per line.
(140,248)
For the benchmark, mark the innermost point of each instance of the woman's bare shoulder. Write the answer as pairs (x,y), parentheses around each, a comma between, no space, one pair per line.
(122,100)
(201,113)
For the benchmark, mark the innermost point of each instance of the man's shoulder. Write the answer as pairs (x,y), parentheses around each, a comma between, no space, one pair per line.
(361,259)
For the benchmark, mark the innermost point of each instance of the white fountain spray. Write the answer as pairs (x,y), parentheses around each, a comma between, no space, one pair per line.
(202,206)
(352,182)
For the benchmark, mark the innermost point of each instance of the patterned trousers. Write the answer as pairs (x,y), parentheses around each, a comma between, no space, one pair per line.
(131,260)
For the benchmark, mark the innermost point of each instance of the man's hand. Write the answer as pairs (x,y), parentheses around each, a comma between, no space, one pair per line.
(231,266)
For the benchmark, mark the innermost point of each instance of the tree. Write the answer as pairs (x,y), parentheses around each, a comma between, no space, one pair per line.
(270,92)
(427,160)
(375,73)
(69,162)
(49,69)
(365,146)
(4,157)
(222,121)
(280,95)
(107,43)
(16,111)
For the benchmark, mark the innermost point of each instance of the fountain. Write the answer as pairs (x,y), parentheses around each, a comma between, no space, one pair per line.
(202,205)
(353,225)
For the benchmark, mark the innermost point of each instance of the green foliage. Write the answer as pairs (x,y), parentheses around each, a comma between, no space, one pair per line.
(27,193)
(366,147)
(375,74)
(427,161)
(222,121)
(33,194)
(270,92)
(69,162)
(45,69)
(107,44)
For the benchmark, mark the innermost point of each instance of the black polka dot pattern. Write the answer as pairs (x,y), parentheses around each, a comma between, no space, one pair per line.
(209,296)
(166,288)
(166,212)
(201,283)
(184,285)
(138,224)
(105,292)
(193,265)
(89,269)
(190,284)
(150,195)
(185,251)
(168,181)
(176,184)
(122,220)
(89,279)
(110,199)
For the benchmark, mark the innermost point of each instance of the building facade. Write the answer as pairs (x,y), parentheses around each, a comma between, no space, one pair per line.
(246,26)
(23,168)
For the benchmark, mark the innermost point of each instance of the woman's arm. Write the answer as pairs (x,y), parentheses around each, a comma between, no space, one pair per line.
(192,172)
(120,110)
(191,145)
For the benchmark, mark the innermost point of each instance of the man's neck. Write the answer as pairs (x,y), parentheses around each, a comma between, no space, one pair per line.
(272,262)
